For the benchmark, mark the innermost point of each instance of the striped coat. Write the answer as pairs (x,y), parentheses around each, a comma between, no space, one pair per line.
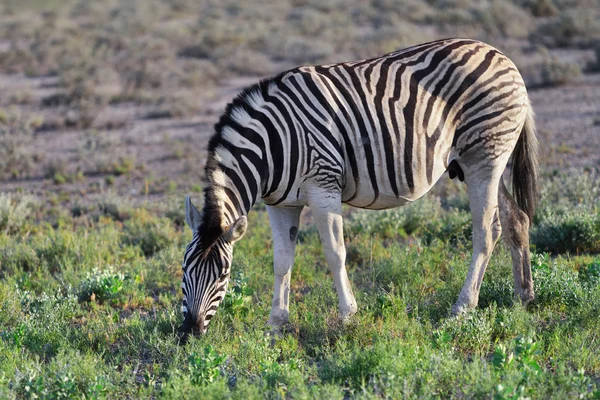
(374,134)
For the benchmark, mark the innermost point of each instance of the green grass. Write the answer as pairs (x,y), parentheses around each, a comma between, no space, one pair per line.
(90,302)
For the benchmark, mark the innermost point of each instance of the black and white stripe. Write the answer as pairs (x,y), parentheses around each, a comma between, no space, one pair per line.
(378,130)
(376,133)
(205,277)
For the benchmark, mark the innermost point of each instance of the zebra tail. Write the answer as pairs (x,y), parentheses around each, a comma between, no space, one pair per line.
(525,167)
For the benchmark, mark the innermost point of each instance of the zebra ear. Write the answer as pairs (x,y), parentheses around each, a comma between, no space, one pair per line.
(235,231)
(192,215)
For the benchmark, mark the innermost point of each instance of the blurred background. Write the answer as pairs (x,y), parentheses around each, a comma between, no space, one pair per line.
(120,97)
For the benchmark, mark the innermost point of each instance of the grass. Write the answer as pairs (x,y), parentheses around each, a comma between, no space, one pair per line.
(89,305)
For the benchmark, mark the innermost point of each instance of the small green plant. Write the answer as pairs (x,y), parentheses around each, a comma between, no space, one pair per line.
(238,297)
(283,376)
(123,166)
(102,285)
(470,332)
(522,358)
(32,385)
(204,367)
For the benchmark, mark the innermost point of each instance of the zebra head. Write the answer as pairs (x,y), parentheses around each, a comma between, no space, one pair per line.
(206,267)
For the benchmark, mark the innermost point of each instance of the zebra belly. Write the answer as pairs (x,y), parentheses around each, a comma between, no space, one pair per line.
(383,201)
(382,196)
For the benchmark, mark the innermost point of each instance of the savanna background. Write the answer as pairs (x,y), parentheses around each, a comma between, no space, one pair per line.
(106,108)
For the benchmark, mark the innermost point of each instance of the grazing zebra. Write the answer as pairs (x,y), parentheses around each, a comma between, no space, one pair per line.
(374,134)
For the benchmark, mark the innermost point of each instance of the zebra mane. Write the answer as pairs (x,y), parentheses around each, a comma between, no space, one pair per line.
(212,215)
(244,99)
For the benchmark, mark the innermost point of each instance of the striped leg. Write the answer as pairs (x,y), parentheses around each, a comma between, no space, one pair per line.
(284,224)
(327,210)
(515,224)
(482,187)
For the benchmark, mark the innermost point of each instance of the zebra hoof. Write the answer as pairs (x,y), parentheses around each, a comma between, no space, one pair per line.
(278,332)
(346,317)
(459,309)
(525,297)
(274,334)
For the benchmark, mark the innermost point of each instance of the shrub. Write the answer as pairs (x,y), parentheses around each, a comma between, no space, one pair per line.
(554,72)
(149,233)
(543,8)
(595,66)
(247,62)
(395,222)
(502,18)
(574,27)
(302,50)
(572,231)
(425,218)
(568,216)
(285,377)
(498,291)
(471,332)
(590,274)
(16,138)
(555,284)
(18,258)
(15,210)
(572,190)
(358,368)
(114,206)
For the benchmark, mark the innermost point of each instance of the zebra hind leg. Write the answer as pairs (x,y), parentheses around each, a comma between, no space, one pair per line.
(482,187)
(327,210)
(515,224)
(284,225)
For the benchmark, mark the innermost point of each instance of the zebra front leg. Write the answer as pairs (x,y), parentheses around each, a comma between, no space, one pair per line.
(327,211)
(284,225)
(515,224)
(483,198)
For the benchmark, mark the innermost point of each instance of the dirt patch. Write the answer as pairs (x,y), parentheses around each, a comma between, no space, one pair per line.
(126,151)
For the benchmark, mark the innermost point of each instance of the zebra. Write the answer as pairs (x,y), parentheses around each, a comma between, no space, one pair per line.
(373,134)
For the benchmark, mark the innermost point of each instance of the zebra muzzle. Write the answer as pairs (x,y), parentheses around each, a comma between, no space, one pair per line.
(191,326)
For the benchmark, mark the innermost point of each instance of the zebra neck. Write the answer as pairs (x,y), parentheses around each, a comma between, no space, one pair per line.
(229,195)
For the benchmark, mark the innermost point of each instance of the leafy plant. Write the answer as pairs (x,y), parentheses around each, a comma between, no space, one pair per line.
(238,298)
(591,273)
(523,358)
(102,285)
(204,368)
(555,285)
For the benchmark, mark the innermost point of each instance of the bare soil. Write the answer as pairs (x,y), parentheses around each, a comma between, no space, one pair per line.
(168,153)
